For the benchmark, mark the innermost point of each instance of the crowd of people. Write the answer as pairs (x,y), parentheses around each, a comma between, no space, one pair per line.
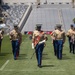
(58,39)
(39,38)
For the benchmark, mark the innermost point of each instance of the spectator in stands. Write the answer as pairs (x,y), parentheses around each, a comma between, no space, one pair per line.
(16,39)
(38,3)
(59,36)
(38,41)
(69,34)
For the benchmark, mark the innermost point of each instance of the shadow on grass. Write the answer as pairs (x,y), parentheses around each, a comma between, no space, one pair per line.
(4,54)
(64,54)
(65,57)
(47,65)
(44,54)
(45,58)
(22,56)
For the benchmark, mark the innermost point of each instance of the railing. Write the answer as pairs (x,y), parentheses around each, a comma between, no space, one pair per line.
(25,17)
(61,18)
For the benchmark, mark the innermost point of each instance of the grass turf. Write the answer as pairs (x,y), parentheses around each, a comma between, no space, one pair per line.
(26,66)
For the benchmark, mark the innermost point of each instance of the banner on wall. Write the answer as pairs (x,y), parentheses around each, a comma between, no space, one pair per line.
(30,32)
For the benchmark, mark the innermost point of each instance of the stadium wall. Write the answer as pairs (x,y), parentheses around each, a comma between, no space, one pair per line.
(19,1)
(34,1)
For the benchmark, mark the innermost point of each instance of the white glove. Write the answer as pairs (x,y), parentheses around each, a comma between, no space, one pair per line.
(32,45)
(42,41)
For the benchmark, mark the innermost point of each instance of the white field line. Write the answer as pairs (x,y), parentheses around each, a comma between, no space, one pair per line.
(33,70)
(4,65)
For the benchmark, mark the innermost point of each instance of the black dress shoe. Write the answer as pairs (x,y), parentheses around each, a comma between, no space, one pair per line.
(39,66)
(15,58)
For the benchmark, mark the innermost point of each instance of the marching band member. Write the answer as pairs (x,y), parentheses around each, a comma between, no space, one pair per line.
(69,34)
(38,41)
(73,39)
(1,37)
(59,36)
(54,42)
(16,39)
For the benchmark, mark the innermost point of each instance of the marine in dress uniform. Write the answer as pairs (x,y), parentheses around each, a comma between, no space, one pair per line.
(69,34)
(54,42)
(38,40)
(1,37)
(73,39)
(59,36)
(16,39)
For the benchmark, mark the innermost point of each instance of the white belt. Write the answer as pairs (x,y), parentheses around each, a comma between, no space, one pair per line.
(42,41)
(59,39)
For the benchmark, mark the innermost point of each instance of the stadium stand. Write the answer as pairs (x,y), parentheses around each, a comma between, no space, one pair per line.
(49,13)
(68,15)
(49,16)
(15,13)
(44,16)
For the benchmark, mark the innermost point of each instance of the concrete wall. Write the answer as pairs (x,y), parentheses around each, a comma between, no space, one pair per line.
(19,1)
(33,1)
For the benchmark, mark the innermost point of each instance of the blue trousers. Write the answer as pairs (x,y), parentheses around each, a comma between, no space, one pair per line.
(0,44)
(59,47)
(73,47)
(54,45)
(15,47)
(39,49)
(70,44)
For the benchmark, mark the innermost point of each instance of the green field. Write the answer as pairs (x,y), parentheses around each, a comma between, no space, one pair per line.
(26,66)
